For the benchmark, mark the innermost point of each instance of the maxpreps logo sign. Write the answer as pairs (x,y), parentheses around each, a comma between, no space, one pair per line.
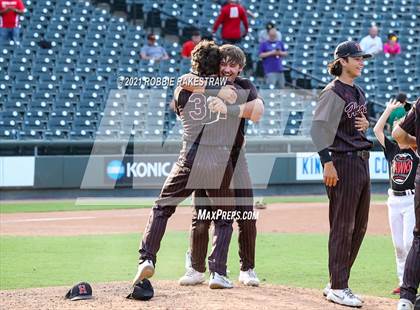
(117,169)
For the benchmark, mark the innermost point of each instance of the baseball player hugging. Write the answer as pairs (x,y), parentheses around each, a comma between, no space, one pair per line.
(402,162)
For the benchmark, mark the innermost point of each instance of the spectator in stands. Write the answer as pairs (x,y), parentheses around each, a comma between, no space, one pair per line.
(10,10)
(189,45)
(230,17)
(272,52)
(263,34)
(153,51)
(372,43)
(224,2)
(392,46)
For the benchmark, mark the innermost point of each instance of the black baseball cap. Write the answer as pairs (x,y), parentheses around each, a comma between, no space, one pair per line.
(349,49)
(80,291)
(142,291)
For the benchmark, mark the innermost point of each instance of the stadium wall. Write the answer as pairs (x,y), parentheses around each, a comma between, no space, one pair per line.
(271,173)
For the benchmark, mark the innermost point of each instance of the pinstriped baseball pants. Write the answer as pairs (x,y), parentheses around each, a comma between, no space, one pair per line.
(199,235)
(411,279)
(197,168)
(349,204)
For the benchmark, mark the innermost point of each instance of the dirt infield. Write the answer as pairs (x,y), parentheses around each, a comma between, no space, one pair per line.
(280,218)
(169,295)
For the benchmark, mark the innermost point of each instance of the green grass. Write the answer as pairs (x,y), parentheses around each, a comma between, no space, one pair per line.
(104,204)
(315,198)
(57,205)
(288,259)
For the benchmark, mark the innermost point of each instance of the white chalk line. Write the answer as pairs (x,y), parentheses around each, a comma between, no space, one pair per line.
(51,219)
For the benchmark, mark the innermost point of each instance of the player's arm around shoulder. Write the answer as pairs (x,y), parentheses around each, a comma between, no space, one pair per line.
(254,108)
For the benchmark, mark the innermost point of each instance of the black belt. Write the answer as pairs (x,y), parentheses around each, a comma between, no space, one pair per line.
(403,193)
(363,154)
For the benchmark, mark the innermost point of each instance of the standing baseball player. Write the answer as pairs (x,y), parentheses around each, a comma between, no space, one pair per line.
(233,61)
(402,163)
(338,132)
(408,133)
(203,164)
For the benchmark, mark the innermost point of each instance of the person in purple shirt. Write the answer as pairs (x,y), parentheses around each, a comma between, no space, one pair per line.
(272,52)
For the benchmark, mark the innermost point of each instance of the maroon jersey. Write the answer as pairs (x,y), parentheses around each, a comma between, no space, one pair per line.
(203,126)
(411,123)
(252,94)
(333,124)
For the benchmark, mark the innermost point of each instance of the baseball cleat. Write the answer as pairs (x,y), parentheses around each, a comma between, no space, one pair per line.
(326,290)
(260,205)
(405,304)
(344,297)
(218,281)
(145,270)
(192,277)
(249,278)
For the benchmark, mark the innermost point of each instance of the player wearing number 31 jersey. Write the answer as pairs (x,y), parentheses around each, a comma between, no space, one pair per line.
(204,163)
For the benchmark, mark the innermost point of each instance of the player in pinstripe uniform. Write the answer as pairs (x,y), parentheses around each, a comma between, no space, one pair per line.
(338,127)
(408,133)
(233,61)
(204,163)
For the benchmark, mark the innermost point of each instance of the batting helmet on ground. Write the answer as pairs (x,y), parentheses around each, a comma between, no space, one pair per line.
(142,291)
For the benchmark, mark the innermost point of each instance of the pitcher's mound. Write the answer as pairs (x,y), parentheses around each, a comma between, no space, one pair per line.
(169,295)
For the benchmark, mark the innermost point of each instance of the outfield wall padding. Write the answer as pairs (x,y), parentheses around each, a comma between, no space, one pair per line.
(150,171)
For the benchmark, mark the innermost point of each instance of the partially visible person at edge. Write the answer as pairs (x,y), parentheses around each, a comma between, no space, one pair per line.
(10,10)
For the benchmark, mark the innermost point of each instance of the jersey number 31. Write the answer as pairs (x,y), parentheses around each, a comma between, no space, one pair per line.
(201,112)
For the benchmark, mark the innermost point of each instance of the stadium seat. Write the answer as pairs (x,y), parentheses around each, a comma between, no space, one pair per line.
(89,42)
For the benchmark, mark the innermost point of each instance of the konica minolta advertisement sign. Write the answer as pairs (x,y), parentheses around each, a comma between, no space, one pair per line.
(138,171)
(150,171)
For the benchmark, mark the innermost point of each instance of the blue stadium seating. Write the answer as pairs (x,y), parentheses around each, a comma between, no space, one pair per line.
(67,92)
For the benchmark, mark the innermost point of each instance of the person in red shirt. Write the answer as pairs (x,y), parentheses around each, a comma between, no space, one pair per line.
(231,16)
(189,45)
(10,10)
